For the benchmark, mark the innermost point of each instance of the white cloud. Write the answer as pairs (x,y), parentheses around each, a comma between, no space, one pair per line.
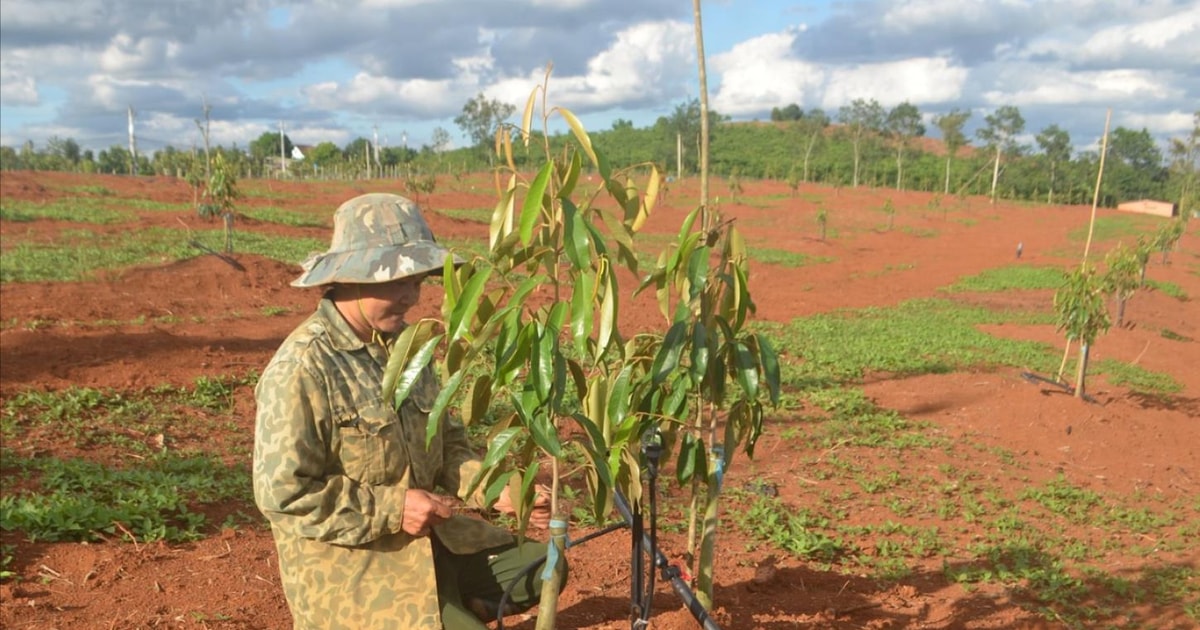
(1169,40)
(1028,86)
(643,64)
(367,92)
(125,54)
(929,80)
(17,88)
(1175,123)
(760,74)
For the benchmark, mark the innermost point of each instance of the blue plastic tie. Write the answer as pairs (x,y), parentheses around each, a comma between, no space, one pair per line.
(552,552)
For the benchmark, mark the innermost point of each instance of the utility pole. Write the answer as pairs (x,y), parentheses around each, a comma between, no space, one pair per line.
(204,132)
(282,155)
(375,130)
(132,145)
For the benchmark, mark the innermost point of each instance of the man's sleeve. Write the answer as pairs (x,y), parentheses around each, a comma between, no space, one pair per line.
(291,443)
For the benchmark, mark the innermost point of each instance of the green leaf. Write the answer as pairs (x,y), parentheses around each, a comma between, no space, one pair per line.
(501,224)
(531,210)
(572,176)
(412,372)
(746,369)
(691,458)
(581,135)
(464,311)
(576,243)
(449,390)
(411,337)
(499,446)
(479,398)
(582,310)
(667,359)
(769,359)
(608,313)
(545,435)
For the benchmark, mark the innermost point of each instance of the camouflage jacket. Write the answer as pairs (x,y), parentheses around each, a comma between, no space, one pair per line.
(332,461)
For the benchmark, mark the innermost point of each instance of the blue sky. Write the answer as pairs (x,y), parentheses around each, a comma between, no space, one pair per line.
(399,69)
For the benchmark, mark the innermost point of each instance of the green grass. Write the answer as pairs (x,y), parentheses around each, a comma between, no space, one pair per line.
(474,215)
(1118,227)
(79,254)
(133,422)
(79,210)
(79,500)
(928,336)
(1013,277)
(282,216)
(1137,378)
(1169,288)
(169,472)
(786,258)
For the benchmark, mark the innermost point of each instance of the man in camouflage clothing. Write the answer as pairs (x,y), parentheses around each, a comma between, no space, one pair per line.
(346,480)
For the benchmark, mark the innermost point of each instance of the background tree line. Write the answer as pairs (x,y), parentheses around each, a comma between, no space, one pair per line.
(862,143)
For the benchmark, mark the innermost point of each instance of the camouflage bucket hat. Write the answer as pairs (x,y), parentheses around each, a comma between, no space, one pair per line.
(377,237)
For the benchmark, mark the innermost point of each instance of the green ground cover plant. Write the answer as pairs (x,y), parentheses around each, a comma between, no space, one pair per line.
(79,254)
(1010,278)
(785,258)
(1117,227)
(83,210)
(155,496)
(474,215)
(916,337)
(285,216)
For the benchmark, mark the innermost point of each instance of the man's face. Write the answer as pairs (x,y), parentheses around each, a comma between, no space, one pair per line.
(385,304)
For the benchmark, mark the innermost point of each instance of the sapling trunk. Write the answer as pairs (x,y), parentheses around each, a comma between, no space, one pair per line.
(693,520)
(708,541)
(1083,363)
(552,577)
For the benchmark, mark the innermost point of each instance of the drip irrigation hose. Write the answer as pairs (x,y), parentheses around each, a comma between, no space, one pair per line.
(1066,387)
(671,574)
(642,590)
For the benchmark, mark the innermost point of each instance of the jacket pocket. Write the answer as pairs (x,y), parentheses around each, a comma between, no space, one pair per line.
(371,449)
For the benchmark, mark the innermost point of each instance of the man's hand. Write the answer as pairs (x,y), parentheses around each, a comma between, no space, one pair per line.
(423,510)
(540,517)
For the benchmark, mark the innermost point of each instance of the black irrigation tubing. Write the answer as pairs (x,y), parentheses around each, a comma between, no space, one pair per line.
(230,261)
(1038,378)
(671,573)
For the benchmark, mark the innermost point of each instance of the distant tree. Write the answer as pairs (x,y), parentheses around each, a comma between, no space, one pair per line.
(788,113)
(1000,134)
(65,149)
(1136,169)
(358,153)
(440,141)
(903,124)
(265,149)
(1056,145)
(951,126)
(480,118)
(324,155)
(862,119)
(812,127)
(1185,167)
